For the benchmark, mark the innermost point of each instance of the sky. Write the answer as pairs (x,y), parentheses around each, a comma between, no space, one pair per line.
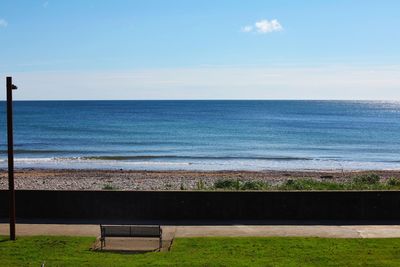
(201,49)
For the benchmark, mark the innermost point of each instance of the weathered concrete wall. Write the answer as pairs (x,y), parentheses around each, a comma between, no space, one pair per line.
(201,206)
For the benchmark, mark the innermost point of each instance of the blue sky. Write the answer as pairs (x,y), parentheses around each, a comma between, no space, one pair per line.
(201,49)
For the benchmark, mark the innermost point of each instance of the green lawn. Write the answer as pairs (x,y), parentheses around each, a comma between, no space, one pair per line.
(246,251)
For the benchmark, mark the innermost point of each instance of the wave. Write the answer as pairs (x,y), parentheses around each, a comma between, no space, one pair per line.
(39,151)
(183,159)
(140,163)
(32,159)
(154,157)
(79,160)
(76,152)
(150,157)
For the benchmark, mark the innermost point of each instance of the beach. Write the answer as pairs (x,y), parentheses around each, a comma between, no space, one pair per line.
(62,179)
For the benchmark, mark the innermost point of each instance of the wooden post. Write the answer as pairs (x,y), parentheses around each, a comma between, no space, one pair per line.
(10,140)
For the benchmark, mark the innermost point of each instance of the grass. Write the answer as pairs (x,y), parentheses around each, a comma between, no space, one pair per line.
(369,178)
(369,181)
(393,181)
(216,251)
(109,187)
(240,185)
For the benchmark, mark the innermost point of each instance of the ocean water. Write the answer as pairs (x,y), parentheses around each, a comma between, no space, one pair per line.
(205,135)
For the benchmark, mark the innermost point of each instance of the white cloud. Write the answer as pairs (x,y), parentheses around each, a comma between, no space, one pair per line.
(264,26)
(247,28)
(3,23)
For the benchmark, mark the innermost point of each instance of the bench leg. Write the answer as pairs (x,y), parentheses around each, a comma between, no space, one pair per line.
(102,242)
(160,245)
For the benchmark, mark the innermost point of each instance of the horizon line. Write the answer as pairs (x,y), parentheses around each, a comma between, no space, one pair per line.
(217,99)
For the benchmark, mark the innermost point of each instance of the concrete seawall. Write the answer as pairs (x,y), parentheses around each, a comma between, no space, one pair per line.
(202,206)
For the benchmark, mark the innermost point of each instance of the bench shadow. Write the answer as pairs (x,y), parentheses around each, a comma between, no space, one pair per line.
(126,252)
(96,247)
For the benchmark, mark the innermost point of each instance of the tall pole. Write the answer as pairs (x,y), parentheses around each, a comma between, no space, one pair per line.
(10,140)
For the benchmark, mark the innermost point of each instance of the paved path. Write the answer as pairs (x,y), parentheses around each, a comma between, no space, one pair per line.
(357,231)
(337,231)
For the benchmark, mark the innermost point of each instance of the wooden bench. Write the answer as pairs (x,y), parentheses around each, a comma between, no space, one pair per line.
(150,231)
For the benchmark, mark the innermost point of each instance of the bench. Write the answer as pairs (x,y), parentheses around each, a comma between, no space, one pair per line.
(150,231)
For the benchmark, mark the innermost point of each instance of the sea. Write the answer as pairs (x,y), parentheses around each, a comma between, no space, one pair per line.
(204,135)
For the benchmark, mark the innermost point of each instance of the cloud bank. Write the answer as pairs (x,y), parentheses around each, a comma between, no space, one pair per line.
(322,82)
(264,26)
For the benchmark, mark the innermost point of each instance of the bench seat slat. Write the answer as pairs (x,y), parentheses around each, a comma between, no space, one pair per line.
(130,231)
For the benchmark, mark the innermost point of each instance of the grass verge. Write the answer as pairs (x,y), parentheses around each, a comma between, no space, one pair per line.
(216,251)
(361,182)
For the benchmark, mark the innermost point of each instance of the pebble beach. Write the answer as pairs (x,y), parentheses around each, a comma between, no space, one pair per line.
(55,179)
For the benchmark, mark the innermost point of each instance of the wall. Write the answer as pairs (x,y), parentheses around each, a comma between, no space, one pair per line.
(201,206)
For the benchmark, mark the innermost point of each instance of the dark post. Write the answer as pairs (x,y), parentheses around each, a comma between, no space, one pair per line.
(10,140)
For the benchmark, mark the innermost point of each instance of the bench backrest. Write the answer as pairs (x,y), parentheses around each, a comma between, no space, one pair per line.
(130,230)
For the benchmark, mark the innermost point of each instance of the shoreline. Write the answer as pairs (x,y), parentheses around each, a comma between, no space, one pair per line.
(88,179)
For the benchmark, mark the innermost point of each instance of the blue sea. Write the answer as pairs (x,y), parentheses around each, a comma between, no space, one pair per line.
(205,135)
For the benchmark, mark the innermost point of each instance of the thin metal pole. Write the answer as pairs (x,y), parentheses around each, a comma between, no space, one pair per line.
(11,189)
